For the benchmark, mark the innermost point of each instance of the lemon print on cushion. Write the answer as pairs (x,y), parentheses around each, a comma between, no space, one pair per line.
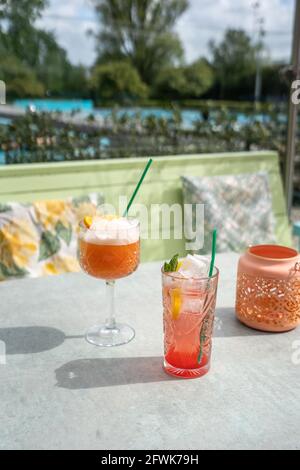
(55,217)
(49,245)
(49,213)
(60,265)
(19,243)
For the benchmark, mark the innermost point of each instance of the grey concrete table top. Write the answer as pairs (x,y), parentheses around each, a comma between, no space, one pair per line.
(59,392)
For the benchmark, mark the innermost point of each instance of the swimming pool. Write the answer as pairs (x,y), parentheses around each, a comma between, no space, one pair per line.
(65,106)
(86,107)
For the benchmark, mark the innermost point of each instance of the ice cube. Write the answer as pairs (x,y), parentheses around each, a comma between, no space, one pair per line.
(194,266)
(192,303)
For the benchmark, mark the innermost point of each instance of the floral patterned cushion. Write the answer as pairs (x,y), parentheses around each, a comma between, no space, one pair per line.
(41,238)
(239,206)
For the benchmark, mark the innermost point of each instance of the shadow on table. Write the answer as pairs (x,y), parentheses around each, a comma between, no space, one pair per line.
(35,339)
(227,325)
(95,373)
(32,339)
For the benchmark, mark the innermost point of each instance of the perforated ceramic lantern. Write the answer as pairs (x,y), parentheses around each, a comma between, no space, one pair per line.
(268,288)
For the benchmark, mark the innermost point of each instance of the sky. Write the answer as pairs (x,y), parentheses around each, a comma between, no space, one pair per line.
(204,20)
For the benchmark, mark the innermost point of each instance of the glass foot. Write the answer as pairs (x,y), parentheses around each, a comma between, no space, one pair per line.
(101,335)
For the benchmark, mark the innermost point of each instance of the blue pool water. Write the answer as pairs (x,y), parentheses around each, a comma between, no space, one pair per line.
(65,106)
(4,121)
(87,107)
(189,116)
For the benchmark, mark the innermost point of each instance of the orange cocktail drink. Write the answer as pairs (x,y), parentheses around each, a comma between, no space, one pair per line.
(107,261)
(109,249)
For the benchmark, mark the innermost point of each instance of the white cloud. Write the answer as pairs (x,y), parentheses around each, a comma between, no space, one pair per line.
(204,20)
(70,20)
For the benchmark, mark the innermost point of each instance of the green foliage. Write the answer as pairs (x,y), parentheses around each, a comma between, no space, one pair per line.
(171,266)
(64,232)
(31,61)
(51,63)
(198,104)
(76,82)
(49,245)
(4,207)
(141,32)
(20,79)
(233,60)
(273,82)
(12,271)
(191,81)
(38,138)
(199,77)
(171,82)
(118,80)
(17,19)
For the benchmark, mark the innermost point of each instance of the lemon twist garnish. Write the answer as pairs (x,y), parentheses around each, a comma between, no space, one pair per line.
(88,220)
(175,302)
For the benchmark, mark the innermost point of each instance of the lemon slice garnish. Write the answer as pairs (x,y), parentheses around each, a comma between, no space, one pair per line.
(88,220)
(179,264)
(175,302)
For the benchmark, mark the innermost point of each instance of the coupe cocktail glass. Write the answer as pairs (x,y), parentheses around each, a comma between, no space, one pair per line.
(189,305)
(110,252)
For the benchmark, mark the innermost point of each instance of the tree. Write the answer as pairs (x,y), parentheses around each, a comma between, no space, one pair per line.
(274,85)
(170,83)
(35,52)
(76,82)
(117,80)
(17,19)
(190,81)
(140,31)
(19,78)
(53,67)
(199,78)
(233,60)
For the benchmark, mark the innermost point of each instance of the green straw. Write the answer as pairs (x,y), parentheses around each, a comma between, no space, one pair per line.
(137,187)
(213,252)
(203,330)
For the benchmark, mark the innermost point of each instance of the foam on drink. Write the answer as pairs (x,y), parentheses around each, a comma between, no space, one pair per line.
(111,230)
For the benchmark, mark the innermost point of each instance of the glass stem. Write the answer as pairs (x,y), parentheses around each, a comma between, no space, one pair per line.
(110,302)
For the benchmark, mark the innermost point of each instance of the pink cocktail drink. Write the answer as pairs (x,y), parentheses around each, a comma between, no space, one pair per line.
(189,305)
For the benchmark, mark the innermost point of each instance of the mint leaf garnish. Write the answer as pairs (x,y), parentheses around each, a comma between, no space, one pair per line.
(171,266)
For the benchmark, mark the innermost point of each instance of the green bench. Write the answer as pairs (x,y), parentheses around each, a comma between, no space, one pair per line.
(25,183)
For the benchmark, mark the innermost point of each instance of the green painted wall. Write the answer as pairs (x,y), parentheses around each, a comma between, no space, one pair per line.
(26,183)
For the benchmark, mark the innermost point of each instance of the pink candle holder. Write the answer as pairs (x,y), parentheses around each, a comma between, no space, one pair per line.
(268,288)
